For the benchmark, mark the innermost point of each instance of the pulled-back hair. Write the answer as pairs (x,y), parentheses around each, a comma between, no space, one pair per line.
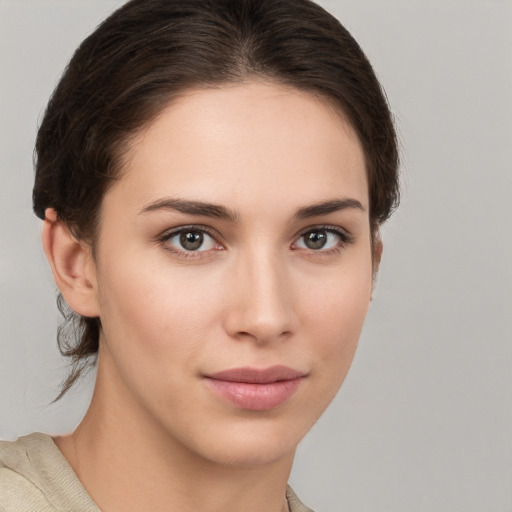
(149,52)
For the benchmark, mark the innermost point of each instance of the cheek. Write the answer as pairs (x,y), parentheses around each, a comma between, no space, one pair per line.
(336,318)
(153,328)
(159,311)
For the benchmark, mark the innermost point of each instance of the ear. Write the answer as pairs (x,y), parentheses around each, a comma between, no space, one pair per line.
(377,249)
(72,265)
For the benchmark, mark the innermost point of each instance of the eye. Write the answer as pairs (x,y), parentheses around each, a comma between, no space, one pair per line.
(322,239)
(190,240)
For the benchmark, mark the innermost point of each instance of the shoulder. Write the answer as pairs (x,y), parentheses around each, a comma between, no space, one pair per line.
(294,503)
(34,476)
(19,482)
(16,455)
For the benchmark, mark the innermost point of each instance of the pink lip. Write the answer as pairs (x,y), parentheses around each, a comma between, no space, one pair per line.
(254,389)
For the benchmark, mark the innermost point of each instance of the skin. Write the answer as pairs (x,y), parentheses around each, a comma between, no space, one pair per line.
(155,436)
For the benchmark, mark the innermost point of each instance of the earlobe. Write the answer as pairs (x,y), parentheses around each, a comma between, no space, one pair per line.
(72,265)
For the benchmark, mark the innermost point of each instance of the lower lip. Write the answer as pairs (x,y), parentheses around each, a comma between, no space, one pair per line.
(255,397)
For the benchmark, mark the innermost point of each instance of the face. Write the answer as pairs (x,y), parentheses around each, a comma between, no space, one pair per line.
(233,270)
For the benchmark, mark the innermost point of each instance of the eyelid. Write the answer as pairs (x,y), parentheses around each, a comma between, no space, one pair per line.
(343,232)
(172,232)
(346,238)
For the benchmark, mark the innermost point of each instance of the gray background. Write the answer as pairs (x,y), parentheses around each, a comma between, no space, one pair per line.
(424,420)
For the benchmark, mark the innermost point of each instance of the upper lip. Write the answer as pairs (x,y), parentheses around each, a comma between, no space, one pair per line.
(257,376)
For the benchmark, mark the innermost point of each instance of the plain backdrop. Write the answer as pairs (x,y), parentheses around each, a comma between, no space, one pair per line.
(424,419)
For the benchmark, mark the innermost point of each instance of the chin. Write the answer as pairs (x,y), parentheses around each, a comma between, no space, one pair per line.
(247,453)
(248,443)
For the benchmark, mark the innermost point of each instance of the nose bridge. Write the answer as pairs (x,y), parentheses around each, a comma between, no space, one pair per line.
(262,308)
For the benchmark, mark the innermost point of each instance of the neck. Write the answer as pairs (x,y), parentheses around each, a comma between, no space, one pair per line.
(127,463)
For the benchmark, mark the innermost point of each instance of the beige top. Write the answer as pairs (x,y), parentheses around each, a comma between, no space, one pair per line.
(35,477)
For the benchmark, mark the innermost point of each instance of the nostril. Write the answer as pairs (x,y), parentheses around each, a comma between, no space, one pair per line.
(262,335)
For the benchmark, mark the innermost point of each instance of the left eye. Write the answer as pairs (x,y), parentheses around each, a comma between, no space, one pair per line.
(319,239)
(191,240)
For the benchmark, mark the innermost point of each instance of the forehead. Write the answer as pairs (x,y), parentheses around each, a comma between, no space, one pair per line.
(246,144)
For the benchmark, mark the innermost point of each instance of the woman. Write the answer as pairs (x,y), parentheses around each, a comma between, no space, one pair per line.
(211,178)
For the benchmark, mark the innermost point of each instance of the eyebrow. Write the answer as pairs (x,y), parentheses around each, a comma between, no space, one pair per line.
(326,207)
(203,209)
(198,208)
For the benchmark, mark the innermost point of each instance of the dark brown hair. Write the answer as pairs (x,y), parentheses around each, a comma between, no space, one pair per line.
(150,51)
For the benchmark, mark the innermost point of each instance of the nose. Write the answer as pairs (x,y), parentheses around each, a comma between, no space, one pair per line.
(261,306)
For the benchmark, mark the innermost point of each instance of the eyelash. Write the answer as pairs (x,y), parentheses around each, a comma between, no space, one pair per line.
(344,239)
(164,240)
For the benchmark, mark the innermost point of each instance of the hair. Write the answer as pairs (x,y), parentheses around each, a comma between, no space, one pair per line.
(149,52)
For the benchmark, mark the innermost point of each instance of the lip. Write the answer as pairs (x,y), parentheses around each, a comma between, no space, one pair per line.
(255,389)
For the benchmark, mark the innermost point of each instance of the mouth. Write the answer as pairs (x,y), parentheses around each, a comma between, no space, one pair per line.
(255,389)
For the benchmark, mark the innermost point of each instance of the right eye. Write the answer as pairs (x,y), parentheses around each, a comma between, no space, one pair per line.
(188,240)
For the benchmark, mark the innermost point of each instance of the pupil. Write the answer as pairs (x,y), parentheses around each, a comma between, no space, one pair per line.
(316,239)
(191,240)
